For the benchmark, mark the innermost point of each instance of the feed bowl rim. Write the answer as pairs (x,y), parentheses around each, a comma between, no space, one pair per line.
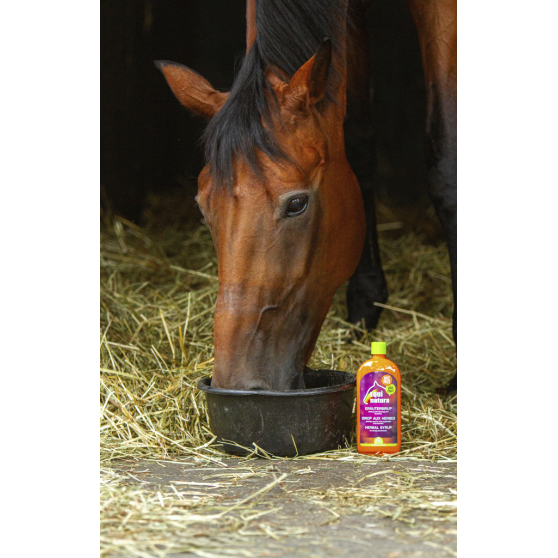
(204,384)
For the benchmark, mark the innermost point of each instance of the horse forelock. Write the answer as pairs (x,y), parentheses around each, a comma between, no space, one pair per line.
(289,33)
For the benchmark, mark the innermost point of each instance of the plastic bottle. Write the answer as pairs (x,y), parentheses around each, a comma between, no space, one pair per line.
(378,404)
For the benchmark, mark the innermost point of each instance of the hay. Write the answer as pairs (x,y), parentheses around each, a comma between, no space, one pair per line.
(158,292)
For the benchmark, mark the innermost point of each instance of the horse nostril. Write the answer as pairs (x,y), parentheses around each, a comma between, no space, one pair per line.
(255,385)
(298,382)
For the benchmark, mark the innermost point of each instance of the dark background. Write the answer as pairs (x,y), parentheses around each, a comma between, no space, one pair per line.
(150,144)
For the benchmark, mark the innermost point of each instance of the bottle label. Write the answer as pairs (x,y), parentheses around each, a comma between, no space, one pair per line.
(378,409)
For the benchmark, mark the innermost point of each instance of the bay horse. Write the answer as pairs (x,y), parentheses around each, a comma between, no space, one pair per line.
(279,192)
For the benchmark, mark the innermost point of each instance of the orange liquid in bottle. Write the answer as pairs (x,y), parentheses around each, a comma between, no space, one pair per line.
(378,404)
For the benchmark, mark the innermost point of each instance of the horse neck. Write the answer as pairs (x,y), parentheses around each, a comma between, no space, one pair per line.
(339,60)
(250,23)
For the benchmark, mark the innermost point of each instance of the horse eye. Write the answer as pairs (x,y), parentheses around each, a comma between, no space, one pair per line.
(296,206)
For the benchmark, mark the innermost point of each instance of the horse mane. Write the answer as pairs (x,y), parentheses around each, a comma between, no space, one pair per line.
(289,33)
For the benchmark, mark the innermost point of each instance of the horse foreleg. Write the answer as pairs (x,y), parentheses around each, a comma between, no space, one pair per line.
(368,284)
(436,22)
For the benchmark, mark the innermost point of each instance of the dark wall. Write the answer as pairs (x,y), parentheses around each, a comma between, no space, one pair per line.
(149,143)
(148,140)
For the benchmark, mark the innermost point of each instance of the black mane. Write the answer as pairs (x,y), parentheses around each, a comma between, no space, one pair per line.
(289,33)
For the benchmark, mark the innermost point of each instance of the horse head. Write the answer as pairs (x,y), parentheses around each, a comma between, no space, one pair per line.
(288,229)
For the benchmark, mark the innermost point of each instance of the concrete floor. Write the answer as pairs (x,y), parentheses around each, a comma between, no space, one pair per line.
(310,516)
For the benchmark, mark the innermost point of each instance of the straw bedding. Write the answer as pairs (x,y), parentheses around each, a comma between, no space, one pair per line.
(158,292)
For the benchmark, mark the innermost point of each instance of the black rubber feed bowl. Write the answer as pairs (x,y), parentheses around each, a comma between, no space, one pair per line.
(284,423)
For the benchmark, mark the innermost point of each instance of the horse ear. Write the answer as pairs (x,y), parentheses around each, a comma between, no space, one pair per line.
(308,85)
(191,89)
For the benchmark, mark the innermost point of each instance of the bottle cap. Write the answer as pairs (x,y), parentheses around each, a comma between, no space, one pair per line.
(378,348)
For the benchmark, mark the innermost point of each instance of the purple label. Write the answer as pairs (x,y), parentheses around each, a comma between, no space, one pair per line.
(378,409)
